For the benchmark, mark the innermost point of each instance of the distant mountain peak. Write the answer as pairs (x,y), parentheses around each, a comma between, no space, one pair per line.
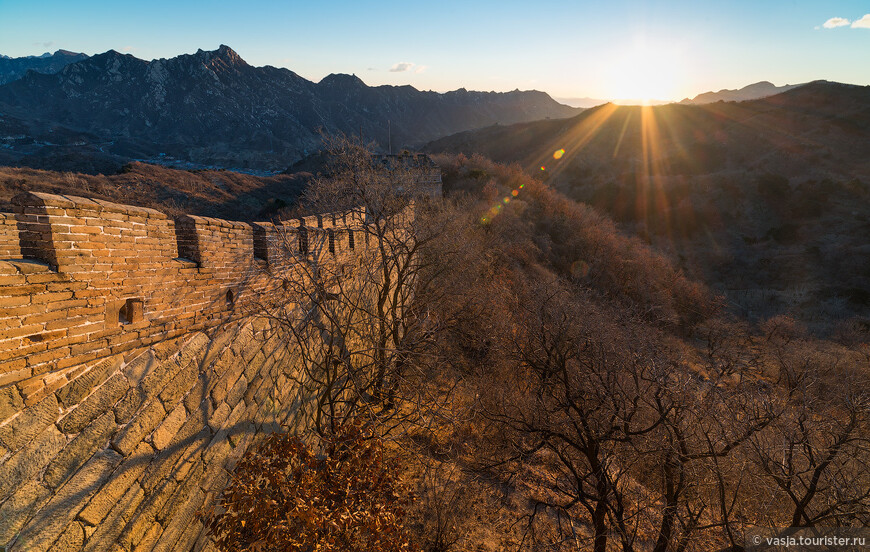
(225,50)
(342,79)
(12,69)
(753,91)
(223,53)
(112,55)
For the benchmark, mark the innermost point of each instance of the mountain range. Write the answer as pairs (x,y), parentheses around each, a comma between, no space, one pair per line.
(766,200)
(818,129)
(755,91)
(213,108)
(751,92)
(12,69)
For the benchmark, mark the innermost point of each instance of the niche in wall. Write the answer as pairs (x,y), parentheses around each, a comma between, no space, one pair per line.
(131,311)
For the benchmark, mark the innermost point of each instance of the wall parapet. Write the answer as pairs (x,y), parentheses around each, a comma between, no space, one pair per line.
(83,279)
(137,367)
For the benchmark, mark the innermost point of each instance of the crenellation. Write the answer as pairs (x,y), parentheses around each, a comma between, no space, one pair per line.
(134,370)
(102,255)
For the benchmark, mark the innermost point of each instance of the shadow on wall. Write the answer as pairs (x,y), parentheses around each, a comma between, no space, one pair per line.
(132,379)
(129,451)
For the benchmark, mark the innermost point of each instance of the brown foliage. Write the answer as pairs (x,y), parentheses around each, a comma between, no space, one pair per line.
(541,226)
(222,194)
(286,497)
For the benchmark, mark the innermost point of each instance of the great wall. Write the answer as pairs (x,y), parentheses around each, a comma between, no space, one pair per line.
(136,367)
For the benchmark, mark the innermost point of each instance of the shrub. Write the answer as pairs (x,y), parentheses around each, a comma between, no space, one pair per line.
(285,497)
(773,186)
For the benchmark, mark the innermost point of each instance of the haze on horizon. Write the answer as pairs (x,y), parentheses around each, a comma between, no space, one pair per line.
(627,49)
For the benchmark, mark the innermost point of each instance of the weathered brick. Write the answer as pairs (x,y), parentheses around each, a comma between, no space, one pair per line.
(135,532)
(237,391)
(109,531)
(100,401)
(29,423)
(72,538)
(15,372)
(191,532)
(129,404)
(228,377)
(253,389)
(218,449)
(143,424)
(29,461)
(15,512)
(139,367)
(180,385)
(166,348)
(193,349)
(219,416)
(217,345)
(79,388)
(10,402)
(170,426)
(79,450)
(42,530)
(149,538)
(166,462)
(197,393)
(253,366)
(156,380)
(216,478)
(123,478)
(181,493)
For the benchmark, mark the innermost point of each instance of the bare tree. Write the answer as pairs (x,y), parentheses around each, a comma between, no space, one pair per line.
(584,386)
(814,462)
(364,319)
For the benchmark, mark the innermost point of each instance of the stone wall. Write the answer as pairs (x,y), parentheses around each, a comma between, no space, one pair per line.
(136,365)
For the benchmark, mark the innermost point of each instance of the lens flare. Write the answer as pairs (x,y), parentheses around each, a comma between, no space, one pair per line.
(515,193)
(579,269)
(543,168)
(558,154)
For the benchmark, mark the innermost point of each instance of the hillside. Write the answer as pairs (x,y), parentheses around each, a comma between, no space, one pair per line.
(213,108)
(223,194)
(535,343)
(766,200)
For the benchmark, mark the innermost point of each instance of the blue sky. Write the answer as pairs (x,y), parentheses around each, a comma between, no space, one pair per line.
(615,49)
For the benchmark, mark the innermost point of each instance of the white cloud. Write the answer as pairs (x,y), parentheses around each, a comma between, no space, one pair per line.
(863,23)
(420,69)
(836,22)
(128,49)
(401,67)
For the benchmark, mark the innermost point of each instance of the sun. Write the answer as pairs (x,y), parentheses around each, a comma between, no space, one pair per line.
(646,71)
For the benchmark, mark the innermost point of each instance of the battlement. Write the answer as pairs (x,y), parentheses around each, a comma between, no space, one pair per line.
(81,279)
(140,358)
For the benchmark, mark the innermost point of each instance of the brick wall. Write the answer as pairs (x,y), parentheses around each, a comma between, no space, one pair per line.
(135,368)
(9,246)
